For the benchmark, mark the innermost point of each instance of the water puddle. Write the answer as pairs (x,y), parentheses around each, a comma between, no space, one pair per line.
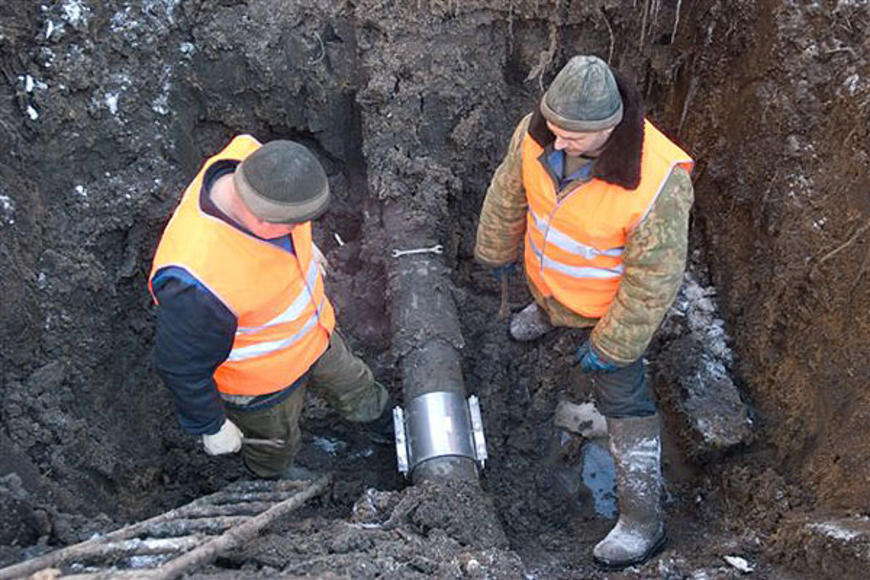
(599,476)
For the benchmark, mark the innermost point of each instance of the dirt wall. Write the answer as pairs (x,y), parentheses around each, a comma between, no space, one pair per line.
(774,100)
(108,108)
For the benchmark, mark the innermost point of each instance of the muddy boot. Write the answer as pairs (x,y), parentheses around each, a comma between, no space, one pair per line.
(530,323)
(584,420)
(639,534)
(380,431)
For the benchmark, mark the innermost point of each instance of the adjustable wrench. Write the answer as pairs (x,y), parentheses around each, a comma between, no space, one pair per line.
(436,249)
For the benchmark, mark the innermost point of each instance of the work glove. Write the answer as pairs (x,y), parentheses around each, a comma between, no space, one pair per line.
(227,440)
(503,271)
(591,361)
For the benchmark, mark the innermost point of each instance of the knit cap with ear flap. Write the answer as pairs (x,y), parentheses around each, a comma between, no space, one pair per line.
(282,182)
(584,96)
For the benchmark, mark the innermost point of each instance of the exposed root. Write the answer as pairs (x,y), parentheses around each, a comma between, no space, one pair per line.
(690,94)
(676,21)
(643,24)
(545,59)
(858,233)
(860,274)
(609,32)
(322,51)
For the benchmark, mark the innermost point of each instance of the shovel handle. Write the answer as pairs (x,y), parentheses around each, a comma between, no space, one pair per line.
(504,310)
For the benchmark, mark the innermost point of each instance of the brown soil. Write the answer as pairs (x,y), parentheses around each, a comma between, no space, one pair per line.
(108,108)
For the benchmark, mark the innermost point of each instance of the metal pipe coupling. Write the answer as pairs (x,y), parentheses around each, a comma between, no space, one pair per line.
(438,424)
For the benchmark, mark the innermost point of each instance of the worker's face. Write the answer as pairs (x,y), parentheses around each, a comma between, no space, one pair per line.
(576,143)
(268,230)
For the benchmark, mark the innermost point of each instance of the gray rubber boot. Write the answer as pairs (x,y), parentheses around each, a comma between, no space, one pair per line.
(635,445)
(530,323)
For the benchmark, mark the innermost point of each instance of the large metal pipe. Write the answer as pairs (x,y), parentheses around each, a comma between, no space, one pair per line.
(440,438)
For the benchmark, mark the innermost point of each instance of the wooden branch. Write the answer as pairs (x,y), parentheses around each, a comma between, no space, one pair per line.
(238,535)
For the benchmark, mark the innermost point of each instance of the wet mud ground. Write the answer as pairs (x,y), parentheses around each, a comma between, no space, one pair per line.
(108,108)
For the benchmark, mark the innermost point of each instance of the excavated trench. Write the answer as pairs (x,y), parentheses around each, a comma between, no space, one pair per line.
(108,109)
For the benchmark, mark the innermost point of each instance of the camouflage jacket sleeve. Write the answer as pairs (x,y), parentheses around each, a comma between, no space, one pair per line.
(503,217)
(655,258)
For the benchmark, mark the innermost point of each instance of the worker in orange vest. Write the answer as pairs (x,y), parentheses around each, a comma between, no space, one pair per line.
(243,323)
(600,199)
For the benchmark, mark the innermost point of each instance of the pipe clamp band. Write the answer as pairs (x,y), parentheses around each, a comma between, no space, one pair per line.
(438,424)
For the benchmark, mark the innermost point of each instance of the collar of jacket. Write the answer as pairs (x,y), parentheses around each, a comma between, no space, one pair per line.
(619,163)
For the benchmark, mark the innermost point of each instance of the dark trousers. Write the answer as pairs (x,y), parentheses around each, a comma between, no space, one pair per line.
(341,377)
(624,393)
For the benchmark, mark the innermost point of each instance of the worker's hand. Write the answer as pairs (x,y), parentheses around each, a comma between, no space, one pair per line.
(503,271)
(227,440)
(322,262)
(591,361)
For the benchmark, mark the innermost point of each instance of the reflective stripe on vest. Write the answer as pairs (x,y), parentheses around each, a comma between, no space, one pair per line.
(569,244)
(295,309)
(264,348)
(575,245)
(283,316)
(575,271)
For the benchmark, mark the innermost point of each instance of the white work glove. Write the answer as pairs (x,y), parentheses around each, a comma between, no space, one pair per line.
(322,263)
(227,440)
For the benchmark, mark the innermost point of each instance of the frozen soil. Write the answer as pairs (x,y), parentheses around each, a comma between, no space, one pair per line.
(108,108)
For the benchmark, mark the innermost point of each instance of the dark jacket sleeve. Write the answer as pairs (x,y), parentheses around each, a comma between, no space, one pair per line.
(195,334)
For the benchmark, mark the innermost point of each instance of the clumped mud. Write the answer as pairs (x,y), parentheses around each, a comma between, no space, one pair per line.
(108,108)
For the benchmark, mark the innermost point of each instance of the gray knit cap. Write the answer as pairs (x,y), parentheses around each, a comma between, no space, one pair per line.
(583,97)
(282,182)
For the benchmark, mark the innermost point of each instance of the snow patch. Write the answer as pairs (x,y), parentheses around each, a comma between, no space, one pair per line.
(697,305)
(111,100)
(32,113)
(29,83)
(161,103)
(835,531)
(75,12)
(7,210)
(800,186)
(330,446)
(80,190)
(168,7)
(119,21)
(363,453)
(739,563)
(47,56)
(852,84)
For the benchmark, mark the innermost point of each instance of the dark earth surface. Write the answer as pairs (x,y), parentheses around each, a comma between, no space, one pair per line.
(108,108)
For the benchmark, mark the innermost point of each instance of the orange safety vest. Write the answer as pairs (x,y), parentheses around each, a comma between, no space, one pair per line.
(284,318)
(574,245)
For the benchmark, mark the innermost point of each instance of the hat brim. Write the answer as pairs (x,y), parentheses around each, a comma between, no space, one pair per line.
(276,212)
(584,126)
